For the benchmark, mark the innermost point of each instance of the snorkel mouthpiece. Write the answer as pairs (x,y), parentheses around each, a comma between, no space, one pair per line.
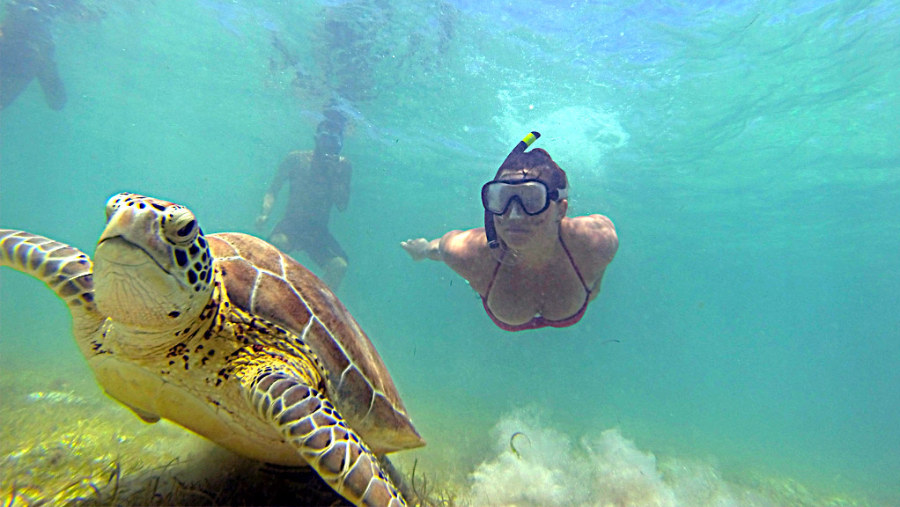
(489,231)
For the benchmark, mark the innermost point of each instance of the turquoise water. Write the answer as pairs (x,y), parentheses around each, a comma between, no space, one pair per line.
(748,153)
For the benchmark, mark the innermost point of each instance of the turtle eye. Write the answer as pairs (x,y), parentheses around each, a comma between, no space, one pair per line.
(181,226)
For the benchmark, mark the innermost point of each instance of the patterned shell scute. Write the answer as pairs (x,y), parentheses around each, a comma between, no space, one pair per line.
(261,280)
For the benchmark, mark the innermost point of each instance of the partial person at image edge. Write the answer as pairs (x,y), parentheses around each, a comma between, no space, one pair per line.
(26,51)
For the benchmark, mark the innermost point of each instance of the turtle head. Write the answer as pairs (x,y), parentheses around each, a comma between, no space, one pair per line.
(152,266)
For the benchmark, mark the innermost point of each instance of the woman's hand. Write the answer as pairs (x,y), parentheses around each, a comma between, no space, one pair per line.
(416,248)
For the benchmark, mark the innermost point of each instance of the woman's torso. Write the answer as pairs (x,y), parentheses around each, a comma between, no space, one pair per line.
(554,294)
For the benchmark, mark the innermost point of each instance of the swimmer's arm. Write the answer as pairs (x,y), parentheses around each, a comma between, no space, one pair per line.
(420,248)
(52,84)
(602,243)
(284,171)
(445,249)
(281,176)
(465,252)
(605,239)
(595,287)
(341,185)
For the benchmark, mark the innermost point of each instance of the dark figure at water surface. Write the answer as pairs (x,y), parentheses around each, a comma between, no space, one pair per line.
(26,51)
(318,180)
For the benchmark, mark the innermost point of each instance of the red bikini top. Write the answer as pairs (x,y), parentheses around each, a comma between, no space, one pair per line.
(539,321)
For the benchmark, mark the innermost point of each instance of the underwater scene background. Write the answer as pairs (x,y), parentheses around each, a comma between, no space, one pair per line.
(743,350)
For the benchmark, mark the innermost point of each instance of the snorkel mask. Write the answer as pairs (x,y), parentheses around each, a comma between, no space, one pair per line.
(330,131)
(532,194)
(329,138)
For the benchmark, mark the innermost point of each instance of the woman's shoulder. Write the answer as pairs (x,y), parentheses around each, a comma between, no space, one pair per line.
(595,221)
(589,226)
(467,253)
(465,246)
(591,236)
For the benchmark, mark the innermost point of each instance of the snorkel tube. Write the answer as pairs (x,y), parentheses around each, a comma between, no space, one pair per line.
(489,231)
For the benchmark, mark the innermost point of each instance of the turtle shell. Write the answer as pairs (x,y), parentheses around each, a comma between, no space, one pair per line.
(265,282)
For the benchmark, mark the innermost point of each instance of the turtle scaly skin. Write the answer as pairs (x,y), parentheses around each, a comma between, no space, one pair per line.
(229,338)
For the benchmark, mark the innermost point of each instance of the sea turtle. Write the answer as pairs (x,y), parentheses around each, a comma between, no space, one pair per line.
(228,337)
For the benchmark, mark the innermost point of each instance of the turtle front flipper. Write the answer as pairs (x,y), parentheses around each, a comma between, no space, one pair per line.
(65,269)
(305,418)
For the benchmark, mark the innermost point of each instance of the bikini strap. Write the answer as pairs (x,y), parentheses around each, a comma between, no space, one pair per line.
(487,291)
(571,260)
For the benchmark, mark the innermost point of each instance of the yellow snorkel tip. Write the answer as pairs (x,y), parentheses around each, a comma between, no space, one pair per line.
(523,144)
(531,138)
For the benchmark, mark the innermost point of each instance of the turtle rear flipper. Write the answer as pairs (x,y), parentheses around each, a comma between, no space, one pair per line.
(305,417)
(147,417)
(65,269)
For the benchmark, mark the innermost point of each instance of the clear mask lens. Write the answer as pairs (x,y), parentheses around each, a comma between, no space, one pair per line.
(532,196)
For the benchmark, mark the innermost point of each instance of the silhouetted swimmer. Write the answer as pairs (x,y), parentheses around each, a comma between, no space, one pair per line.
(318,181)
(26,51)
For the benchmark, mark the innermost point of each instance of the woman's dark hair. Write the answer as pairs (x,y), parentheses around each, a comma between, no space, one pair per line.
(521,165)
(534,164)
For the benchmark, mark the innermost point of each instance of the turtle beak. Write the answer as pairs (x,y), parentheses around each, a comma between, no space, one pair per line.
(132,288)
